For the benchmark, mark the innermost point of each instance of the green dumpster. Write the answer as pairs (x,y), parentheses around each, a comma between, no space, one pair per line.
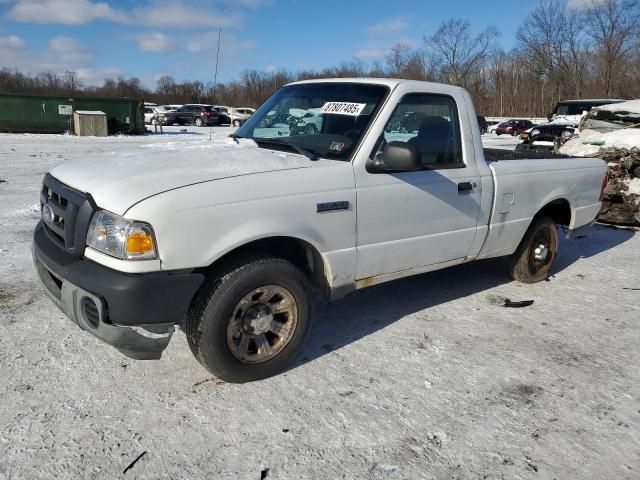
(44,114)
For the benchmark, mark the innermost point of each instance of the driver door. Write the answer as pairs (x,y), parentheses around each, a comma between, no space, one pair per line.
(416,219)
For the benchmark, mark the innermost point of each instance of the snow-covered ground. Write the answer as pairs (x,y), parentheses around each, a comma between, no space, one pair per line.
(427,377)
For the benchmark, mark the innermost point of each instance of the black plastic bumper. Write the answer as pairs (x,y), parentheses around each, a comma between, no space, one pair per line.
(527,146)
(155,300)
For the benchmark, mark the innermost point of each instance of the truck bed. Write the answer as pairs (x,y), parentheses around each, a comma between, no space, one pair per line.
(496,154)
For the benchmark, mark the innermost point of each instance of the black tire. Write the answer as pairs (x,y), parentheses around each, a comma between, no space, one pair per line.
(530,263)
(236,123)
(498,133)
(212,313)
(310,129)
(483,131)
(514,133)
(198,122)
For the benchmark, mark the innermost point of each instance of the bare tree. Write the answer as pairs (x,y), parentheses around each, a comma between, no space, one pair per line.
(459,54)
(72,84)
(614,26)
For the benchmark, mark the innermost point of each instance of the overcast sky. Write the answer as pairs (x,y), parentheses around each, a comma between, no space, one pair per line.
(148,38)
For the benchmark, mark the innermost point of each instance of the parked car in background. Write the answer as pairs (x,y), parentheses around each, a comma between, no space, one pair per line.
(513,127)
(158,116)
(563,123)
(197,114)
(482,123)
(304,122)
(230,116)
(492,126)
(246,111)
(171,108)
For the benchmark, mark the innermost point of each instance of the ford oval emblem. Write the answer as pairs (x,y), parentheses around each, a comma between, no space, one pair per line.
(47,213)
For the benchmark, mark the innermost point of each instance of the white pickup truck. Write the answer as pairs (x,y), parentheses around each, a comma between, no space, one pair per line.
(232,244)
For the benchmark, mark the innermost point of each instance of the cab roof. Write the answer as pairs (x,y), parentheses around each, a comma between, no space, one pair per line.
(388,82)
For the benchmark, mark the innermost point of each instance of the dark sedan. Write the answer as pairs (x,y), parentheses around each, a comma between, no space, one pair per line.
(513,127)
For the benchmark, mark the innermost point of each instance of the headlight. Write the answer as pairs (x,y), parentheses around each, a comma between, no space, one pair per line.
(534,133)
(121,238)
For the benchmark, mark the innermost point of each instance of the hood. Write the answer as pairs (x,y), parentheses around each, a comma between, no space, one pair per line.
(569,120)
(118,180)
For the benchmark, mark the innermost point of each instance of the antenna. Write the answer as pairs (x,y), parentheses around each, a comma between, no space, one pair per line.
(215,78)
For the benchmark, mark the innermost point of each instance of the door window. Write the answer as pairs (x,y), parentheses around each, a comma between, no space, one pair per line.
(430,123)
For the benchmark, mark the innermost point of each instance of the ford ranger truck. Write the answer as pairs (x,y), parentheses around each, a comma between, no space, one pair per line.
(233,244)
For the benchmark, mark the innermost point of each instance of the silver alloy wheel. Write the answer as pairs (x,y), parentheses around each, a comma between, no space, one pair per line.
(236,123)
(262,324)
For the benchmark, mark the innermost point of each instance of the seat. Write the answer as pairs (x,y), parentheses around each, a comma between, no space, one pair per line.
(434,140)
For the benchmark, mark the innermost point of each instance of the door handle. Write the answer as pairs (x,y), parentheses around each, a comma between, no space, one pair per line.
(465,187)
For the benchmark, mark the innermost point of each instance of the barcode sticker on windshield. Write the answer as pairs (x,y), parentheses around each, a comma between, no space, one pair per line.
(343,108)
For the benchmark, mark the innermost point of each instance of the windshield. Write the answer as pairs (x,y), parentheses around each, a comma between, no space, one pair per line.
(324,119)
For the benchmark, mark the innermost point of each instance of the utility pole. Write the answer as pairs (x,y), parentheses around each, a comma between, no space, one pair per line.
(215,78)
(215,75)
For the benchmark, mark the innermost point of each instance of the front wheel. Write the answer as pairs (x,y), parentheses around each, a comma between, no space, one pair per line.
(536,253)
(250,321)
(236,123)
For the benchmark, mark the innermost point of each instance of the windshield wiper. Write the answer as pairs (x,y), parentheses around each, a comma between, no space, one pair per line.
(302,151)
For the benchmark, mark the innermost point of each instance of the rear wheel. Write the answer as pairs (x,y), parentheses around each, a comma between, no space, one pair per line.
(310,129)
(198,122)
(514,133)
(236,123)
(251,321)
(535,255)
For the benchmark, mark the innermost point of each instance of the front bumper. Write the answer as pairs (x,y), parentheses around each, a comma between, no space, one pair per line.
(134,313)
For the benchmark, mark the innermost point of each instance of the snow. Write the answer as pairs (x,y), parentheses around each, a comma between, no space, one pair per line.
(427,377)
(633,186)
(569,120)
(89,112)
(631,106)
(621,138)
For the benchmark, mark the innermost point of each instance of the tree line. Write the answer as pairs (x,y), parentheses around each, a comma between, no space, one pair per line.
(592,52)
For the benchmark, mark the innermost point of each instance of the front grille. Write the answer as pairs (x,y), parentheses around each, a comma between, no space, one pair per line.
(550,133)
(71,215)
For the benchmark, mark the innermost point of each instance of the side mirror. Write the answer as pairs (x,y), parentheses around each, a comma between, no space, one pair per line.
(549,116)
(397,157)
